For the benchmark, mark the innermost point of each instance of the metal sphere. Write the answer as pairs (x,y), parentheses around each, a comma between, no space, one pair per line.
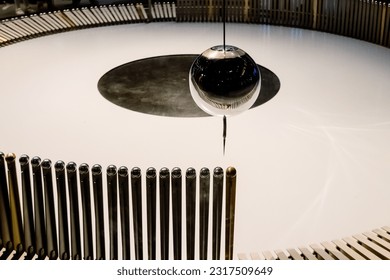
(224,82)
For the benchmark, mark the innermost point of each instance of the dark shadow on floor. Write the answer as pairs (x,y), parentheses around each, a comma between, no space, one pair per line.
(159,86)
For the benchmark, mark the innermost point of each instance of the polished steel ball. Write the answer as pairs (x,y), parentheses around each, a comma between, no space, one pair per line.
(224,82)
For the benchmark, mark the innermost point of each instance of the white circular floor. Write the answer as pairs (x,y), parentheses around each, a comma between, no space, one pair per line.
(313,163)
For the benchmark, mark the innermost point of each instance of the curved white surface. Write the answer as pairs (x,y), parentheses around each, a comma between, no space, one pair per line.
(313,163)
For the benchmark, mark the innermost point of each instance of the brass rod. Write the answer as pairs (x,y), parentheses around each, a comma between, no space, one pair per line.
(14,202)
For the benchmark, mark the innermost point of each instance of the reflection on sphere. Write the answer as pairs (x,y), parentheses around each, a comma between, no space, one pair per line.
(224,82)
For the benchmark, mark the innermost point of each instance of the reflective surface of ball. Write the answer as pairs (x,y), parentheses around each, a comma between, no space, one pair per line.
(224,82)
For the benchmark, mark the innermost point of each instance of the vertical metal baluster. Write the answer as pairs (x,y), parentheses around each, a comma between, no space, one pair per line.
(123,177)
(190,211)
(99,215)
(151,180)
(164,213)
(204,198)
(63,227)
(231,177)
(5,212)
(51,230)
(112,189)
(217,212)
(39,212)
(28,214)
(14,202)
(75,235)
(137,211)
(176,211)
(86,208)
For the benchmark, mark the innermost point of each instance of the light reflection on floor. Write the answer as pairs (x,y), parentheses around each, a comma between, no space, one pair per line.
(313,163)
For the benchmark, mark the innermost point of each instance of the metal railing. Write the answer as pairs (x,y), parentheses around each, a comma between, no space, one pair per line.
(367,20)
(362,19)
(75,212)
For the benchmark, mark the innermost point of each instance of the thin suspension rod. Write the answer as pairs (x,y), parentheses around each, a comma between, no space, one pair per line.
(224,24)
(224,133)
